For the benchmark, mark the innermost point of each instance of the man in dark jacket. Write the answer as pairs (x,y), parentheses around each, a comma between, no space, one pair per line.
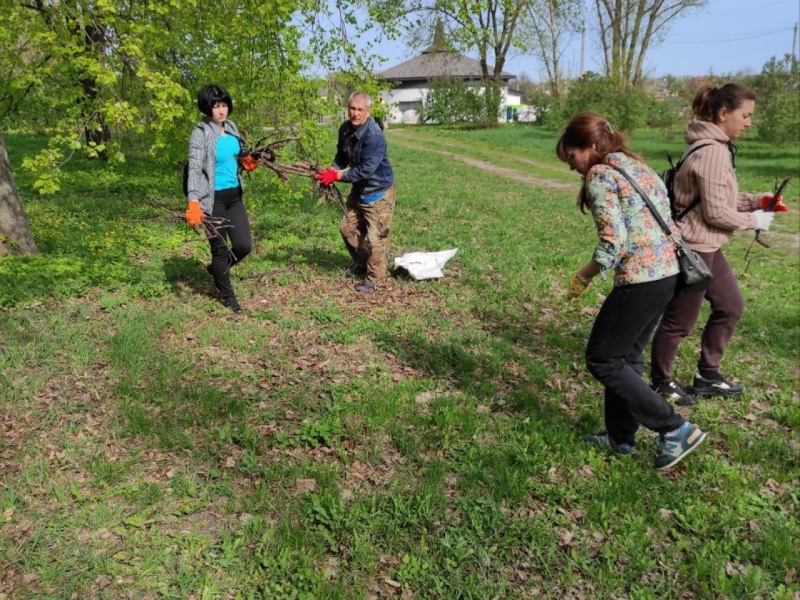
(362,161)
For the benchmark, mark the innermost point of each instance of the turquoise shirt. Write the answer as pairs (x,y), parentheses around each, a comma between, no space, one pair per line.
(227,163)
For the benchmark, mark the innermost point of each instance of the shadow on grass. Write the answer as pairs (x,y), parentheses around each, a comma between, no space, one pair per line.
(321,259)
(482,372)
(182,273)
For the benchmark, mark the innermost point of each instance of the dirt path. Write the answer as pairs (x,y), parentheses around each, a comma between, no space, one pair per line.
(398,138)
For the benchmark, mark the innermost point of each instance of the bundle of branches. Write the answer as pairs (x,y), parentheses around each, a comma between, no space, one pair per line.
(212,228)
(266,156)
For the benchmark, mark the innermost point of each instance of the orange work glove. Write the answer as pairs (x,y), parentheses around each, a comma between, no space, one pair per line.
(194,214)
(578,286)
(248,162)
(328,176)
(778,207)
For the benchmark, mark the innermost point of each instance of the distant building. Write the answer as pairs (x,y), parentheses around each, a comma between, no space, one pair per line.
(410,80)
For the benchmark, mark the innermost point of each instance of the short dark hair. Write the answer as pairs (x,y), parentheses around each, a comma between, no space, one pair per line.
(211,94)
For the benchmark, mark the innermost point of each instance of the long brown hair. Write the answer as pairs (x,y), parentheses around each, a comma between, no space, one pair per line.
(588,130)
(710,100)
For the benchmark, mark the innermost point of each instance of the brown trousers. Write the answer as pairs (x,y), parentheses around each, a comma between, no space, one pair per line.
(681,316)
(366,230)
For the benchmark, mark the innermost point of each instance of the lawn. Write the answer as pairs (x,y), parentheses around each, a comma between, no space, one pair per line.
(423,442)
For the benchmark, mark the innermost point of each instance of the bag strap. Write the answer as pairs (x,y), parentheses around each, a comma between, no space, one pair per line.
(646,199)
(677,167)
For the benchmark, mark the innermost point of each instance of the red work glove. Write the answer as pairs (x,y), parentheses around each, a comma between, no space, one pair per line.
(194,214)
(248,163)
(328,176)
(779,205)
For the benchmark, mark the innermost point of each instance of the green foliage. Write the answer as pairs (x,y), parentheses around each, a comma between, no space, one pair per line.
(435,427)
(95,75)
(777,106)
(625,107)
(451,101)
(547,108)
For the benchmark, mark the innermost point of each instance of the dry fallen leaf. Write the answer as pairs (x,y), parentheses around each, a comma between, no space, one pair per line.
(305,485)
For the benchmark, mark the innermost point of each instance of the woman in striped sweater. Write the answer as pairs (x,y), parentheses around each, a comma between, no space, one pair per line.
(720,116)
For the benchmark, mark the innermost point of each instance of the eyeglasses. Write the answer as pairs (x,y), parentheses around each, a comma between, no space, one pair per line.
(571,154)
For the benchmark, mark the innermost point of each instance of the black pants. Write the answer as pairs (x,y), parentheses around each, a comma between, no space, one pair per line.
(615,357)
(229,206)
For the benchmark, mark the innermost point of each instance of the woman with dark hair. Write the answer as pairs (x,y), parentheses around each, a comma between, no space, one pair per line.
(215,187)
(645,267)
(710,208)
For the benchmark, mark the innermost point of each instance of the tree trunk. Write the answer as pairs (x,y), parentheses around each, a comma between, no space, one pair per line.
(96,129)
(15,234)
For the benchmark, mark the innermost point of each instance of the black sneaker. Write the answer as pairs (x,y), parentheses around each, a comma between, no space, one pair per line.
(356,271)
(715,385)
(233,304)
(670,390)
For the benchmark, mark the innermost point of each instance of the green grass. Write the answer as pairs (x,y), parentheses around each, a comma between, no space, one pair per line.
(423,442)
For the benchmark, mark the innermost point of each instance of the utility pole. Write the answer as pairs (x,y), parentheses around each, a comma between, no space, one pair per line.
(794,44)
(583,44)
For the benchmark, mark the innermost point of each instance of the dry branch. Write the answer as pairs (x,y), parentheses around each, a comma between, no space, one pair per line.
(212,228)
(266,156)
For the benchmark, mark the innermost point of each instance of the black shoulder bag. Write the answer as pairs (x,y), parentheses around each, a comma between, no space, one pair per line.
(695,276)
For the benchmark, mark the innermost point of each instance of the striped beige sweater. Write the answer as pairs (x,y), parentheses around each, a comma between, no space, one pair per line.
(709,172)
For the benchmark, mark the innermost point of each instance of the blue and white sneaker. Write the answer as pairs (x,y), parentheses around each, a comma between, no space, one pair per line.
(673,448)
(603,440)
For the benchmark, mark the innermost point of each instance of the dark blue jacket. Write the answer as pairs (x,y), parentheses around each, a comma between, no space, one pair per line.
(363,152)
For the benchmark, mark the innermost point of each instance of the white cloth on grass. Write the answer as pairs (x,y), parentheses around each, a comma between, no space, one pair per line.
(425,265)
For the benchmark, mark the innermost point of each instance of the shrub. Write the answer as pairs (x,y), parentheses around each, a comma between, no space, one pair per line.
(451,101)
(626,108)
(777,108)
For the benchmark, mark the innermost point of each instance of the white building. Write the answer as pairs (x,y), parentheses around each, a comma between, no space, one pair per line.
(410,81)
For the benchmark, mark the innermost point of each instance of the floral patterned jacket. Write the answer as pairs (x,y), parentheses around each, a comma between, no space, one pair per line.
(630,239)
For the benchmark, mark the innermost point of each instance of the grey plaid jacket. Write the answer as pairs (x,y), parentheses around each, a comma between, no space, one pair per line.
(202,160)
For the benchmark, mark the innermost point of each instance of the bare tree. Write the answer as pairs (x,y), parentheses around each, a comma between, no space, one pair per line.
(546,30)
(15,234)
(628,28)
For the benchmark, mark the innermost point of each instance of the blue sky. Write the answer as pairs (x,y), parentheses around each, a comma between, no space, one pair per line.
(724,37)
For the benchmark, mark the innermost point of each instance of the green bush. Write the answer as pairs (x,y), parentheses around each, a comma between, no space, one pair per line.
(451,101)
(549,110)
(777,107)
(625,108)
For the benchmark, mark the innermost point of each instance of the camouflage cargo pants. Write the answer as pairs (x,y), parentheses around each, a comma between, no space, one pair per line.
(366,229)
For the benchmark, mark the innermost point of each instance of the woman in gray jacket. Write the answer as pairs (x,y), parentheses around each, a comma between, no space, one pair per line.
(214,187)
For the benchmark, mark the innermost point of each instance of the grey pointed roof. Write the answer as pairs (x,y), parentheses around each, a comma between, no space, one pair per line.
(436,62)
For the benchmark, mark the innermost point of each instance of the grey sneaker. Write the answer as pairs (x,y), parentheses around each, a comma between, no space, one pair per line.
(715,385)
(670,390)
(674,448)
(603,440)
(365,287)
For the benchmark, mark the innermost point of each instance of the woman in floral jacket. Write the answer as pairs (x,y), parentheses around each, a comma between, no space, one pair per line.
(645,268)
